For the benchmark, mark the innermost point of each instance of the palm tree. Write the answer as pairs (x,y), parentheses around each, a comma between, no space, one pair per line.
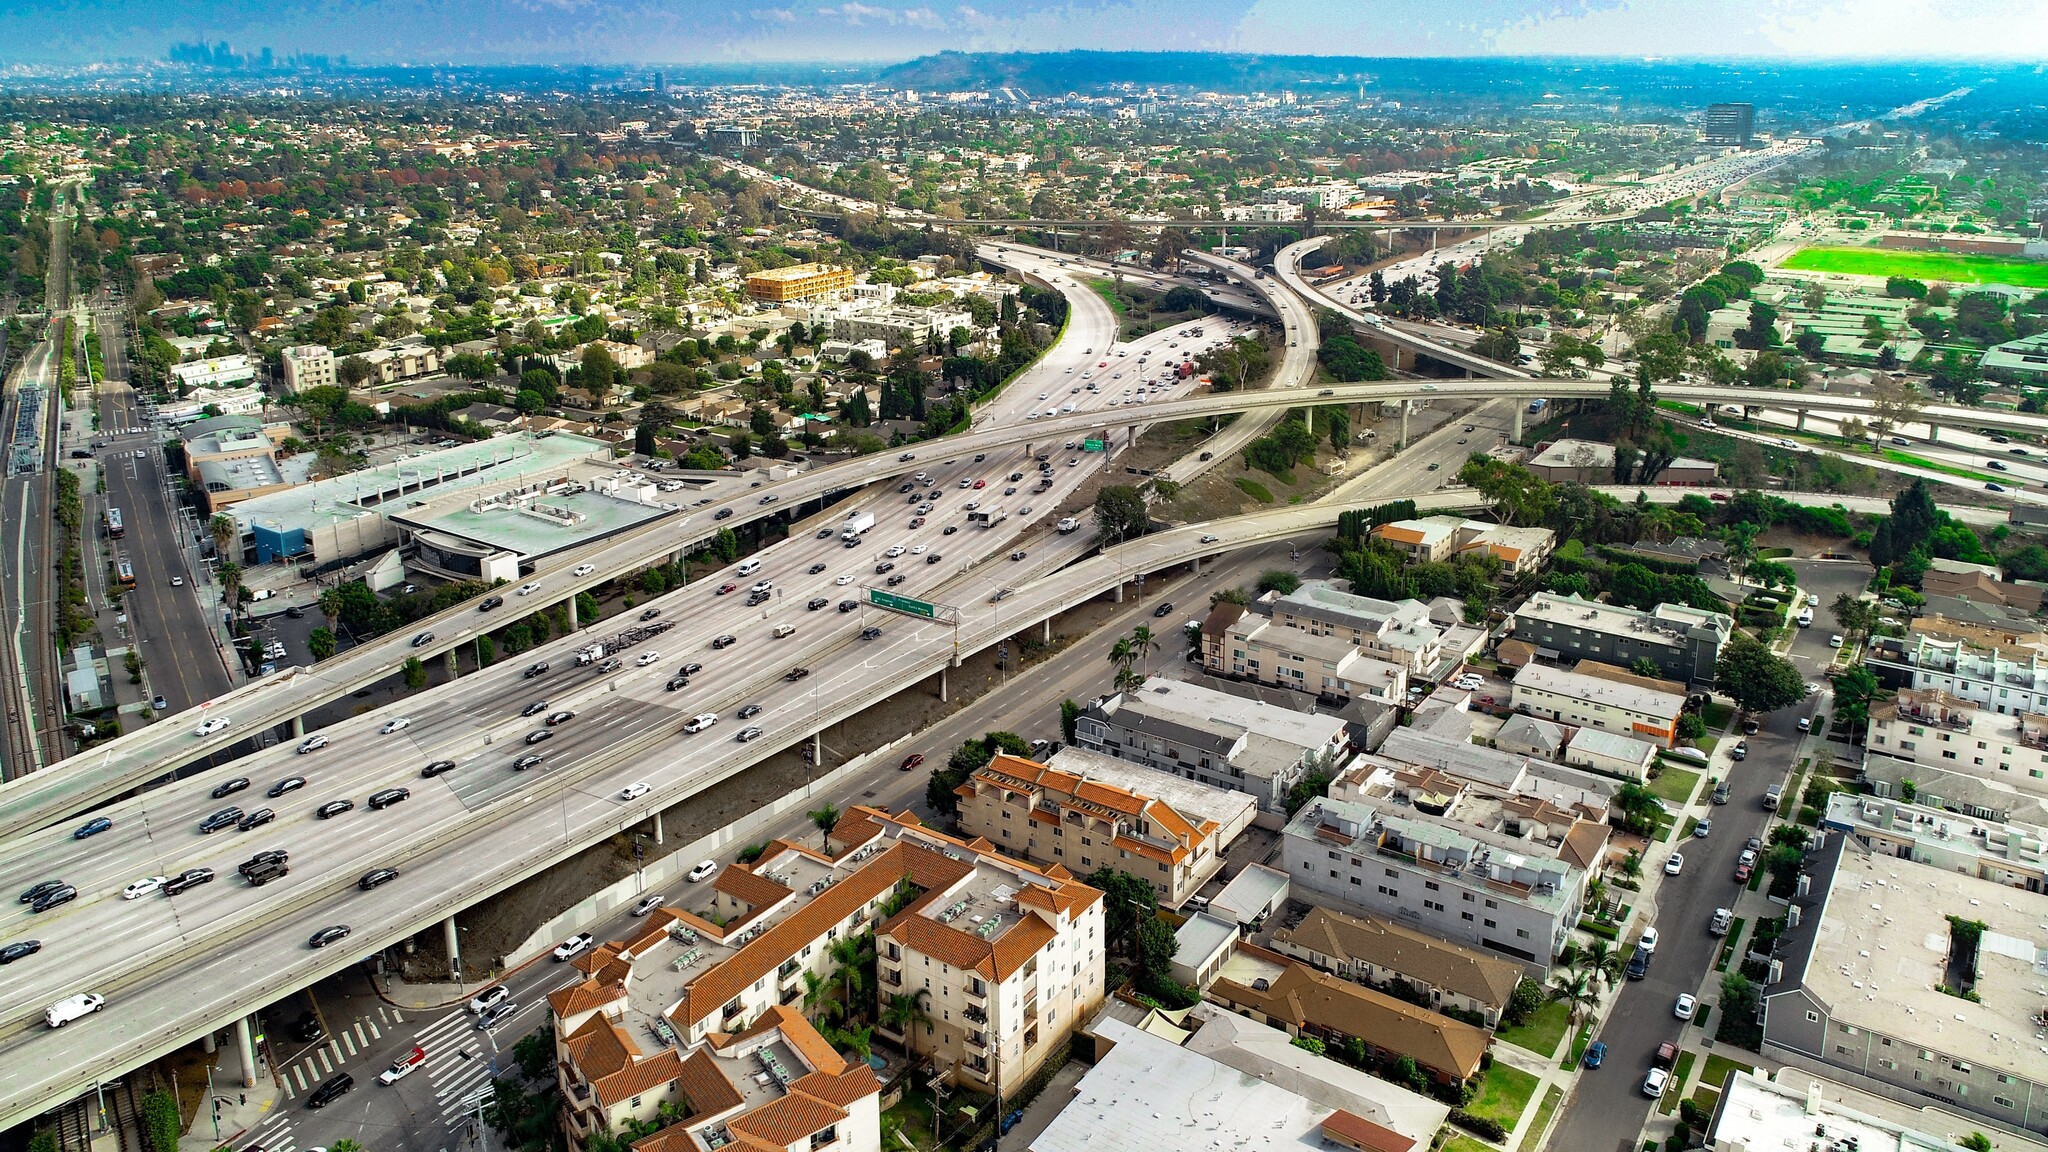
(904,1013)
(851,954)
(1600,960)
(1123,655)
(814,992)
(224,532)
(858,1040)
(1577,990)
(230,576)
(826,819)
(330,604)
(1143,640)
(1632,864)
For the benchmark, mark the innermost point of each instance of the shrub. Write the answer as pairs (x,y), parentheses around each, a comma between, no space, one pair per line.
(1482,1126)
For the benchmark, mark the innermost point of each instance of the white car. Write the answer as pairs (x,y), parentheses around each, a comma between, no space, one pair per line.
(396,724)
(311,744)
(573,945)
(700,723)
(143,887)
(217,724)
(1648,942)
(921,549)
(584,569)
(633,791)
(704,871)
(488,999)
(529,589)
(177,581)
(844,580)
(894,550)
(646,658)
(1654,1082)
(1674,864)
(1685,1006)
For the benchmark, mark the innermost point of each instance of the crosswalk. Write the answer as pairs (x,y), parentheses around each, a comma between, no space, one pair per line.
(458,1068)
(306,1072)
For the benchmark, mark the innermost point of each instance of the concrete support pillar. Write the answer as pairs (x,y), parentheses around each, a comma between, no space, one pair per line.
(573,625)
(210,1043)
(453,939)
(1404,425)
(448,662)
(1198,565)
(659,831)
(1933,433)
(246,1046)
(1119,593)
(1517,437)
(1801,425)
(945,684)
(298,727)
(1046,638)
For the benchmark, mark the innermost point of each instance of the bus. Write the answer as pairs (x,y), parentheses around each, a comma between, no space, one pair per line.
(114,529)
(126,572)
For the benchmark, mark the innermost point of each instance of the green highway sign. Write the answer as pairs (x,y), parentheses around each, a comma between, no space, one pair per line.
(1091,445)
(895,603)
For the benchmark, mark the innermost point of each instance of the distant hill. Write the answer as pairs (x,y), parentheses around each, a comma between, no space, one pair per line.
(1049,73)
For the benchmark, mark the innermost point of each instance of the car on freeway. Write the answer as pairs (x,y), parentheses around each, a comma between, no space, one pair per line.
(561,717)
(20,950)
(529,588)
(490,602)
(650,614)
(649,903)
(703,871)
(633,791)
(1019,554)
(91,827)
(1210,539)
(817,602)
(646,658)
(534,669)
(538,735)
(263,860)
(584,570)
(225,818)
(144,887)
(893,551)
(396,724)
(817,568)
(311,744)
(404,1066)
(385,797)
(423,639)
(848,605)
(437,767)
(56,893)
(377,877)
(256,819)
(911,761)
(699,723)
(748,712)
(728,586)
(334,808)
(610,666)
(870,633)
(573,945)
(211,726)
(844,580)
(691,668)
(527,761)
(489,998)
(723,642)
(748,734)
(796,674)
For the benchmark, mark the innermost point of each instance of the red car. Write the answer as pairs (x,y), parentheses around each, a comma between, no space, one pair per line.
(912,760)
(1742,873)
(981,483)
(728,586)
(1721,496)
(917,521)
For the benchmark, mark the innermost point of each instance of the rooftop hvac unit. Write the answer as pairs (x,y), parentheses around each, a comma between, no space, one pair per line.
(1805,884)
(1775,972)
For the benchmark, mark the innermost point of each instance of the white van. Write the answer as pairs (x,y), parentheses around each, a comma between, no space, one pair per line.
(72,1007)
(750,567)
(1806,617)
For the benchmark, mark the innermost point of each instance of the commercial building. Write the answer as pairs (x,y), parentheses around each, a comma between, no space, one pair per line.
(1684,642)
(1730,124)
(798,282)
(1213,737)
(1382,953)
(1093,818)
(229,459)
(498,533)
(1244,1084)
(1586,701)
(219,372)
(1434,538)
(307,366)
(1517,897)
(1269,988)
(2022,361)
(1913,982)
(1592,462)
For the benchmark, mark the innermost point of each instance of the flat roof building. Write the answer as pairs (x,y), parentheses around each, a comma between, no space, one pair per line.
(1592,462)
(1586,701)
(798,282)
(307,366)
(1684,642)
(1755,1114)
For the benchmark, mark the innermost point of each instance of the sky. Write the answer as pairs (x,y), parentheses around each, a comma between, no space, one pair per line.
(681,31)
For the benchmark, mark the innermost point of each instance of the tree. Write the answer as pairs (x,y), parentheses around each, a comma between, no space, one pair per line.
(230,576)
(320,643)
(415,674)
(1499,344)
(1601,961)
(1893,401)
(1120,513)
(904,1012)
(1279,580)
(824,819)
(1855,691)
(1757,679)
(1524,1001)
(1126,900)
(161,1124)
(1575,988)
(225,533)
(1070,717)
(352,370)
(1639,807)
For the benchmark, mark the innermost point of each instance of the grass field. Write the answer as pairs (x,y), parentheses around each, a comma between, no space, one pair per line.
(1542,1031)
(1533,1138)
(1954,268)
(1503,1095)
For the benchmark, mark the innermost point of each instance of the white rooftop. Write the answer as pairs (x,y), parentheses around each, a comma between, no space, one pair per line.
(1614,693)
(1757,1115)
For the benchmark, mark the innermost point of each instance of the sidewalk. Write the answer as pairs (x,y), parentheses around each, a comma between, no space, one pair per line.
(240,1109)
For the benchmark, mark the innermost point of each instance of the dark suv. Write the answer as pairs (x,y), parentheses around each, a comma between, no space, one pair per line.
(225,818)
(387,797)
(327,1093)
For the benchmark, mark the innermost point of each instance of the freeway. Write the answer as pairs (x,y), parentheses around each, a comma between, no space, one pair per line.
(1287,265)
(133,759)
(1296,369)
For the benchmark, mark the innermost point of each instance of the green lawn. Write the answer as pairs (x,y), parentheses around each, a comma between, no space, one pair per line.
(1254,489)
(1717,715)
(1505,1094)
(1671,1097)
(1911,461)
(1951,267)
(1541,1032)
(1464,1143)
(1715,1074)
(1107,290)
(1533,1138)
(1577,1052)
(1675,784)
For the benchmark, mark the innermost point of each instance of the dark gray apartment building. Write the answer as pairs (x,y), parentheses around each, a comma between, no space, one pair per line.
(1684,642)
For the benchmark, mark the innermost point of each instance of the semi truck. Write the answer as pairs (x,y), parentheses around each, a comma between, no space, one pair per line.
(857,523)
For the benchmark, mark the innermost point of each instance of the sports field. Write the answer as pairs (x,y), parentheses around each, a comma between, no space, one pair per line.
(1928,266)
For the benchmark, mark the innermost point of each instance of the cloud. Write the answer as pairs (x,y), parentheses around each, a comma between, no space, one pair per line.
(773,15)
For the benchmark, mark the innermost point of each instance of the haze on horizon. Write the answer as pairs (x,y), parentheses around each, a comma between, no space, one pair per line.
(83,32)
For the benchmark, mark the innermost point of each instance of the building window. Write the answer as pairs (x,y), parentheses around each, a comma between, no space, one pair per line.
(824,1136)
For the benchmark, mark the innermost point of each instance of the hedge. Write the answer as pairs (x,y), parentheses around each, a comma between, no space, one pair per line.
(1484,1126)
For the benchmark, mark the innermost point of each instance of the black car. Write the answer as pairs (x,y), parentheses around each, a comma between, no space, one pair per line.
(934,558)
(898,578)
(818,602)
(436,768)
(884,567)
(61,894)
(726,641)
(377,876)
(307,1029)
(562,717)
(1018,555)
(691,668)
(334,808)
(533,670)
(386,797)
(848,605)
(288,784)
(749,711)
(225,818)
(295,612)
(338,1085)
(20,950)
(795,674)
(1163,609)
(490,602)
(1639,964)
(230,787)
(950,529)
(722,514)
(817,568)
(423,639)
(535,708)
(527,761)
(92,827)
(539,735)
(189,878)
(870,633)
(256,819)
(264,860)
(676,683)
(650,614)
(326,936)
(39,891)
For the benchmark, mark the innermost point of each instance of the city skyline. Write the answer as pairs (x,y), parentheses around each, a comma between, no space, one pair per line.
(654,32)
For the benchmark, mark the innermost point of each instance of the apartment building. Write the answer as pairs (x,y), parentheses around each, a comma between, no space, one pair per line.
(1589,701)
(1215,738)
(1085,811)
(2002,679)
(1382,953)
(2006,852)
(1868,981)
(1685,643)
(307,366)
(901,327)
(1475,885)
(798,282)
(1005,958)
(1956,751)
(1397,632)
(218,372)
(1437,538)
(400,362)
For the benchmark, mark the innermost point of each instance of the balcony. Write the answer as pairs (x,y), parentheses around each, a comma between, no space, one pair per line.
(977,993)
(788,969)
(977,1040)
(893,978)
(974,1015)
